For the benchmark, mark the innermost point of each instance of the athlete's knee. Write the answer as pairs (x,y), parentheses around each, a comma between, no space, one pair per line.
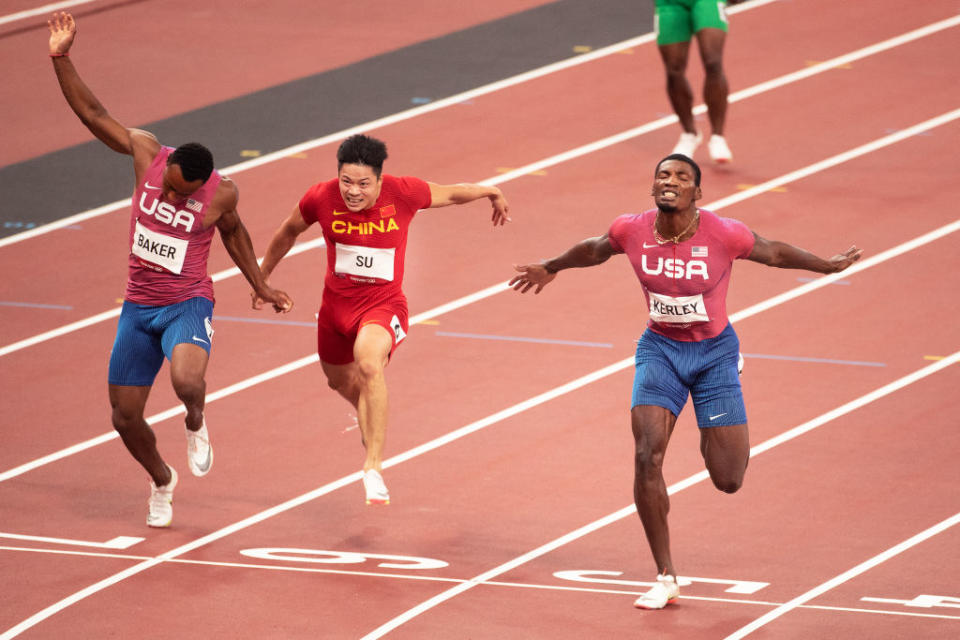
(728,481)
(369,369)
(713,66)
(676,74)
(728,485)
(189,389)
(125,419)
(648,462)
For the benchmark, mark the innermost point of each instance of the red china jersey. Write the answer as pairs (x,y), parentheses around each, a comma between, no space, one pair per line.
(365,250)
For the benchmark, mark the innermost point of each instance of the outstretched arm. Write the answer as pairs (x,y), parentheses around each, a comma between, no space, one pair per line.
(237,242)
(280,244)
(92,114)
(586,253)
(774,253)
(442,195)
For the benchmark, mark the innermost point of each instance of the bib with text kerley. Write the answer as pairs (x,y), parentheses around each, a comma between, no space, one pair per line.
(680,310)
(365,262)
(158,249)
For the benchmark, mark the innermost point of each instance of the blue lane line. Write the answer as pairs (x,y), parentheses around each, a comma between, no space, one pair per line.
(294,323)
(805,279)
(34,305)
(482,336)
(856,363)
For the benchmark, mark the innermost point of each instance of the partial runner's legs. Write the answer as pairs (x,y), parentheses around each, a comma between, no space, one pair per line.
(652,428)
(363,385)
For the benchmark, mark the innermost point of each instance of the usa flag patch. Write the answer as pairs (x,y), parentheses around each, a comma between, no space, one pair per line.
(698,252)
(194,205)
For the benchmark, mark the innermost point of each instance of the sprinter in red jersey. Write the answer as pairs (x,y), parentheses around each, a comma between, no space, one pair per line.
(364,215)
(682,256)
(178,201)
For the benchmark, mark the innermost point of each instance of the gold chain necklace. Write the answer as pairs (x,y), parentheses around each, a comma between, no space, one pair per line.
(675,239)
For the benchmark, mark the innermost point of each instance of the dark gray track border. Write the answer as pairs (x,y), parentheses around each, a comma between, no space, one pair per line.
(65,182)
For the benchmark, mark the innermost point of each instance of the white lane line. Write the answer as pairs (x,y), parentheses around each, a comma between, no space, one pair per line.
(493,583)
(366,127)
(519,79)
(861,568)
(103,316)
(437,443)
(237,387)
(489,291)
(500,179)
(522,171)
(696,478)
(41,11)
(120,542)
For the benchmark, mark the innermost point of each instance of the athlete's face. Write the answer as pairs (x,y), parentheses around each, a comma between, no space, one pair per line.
(175,187)
(359,186)
(674,187)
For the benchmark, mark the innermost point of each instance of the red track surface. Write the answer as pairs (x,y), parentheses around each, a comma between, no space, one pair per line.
(811,509)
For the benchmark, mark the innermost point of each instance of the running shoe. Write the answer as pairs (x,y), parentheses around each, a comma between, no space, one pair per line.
(664,592)
(687,144)
(719,151)
(161,502)
(199,451)
(739,364)
(376,490)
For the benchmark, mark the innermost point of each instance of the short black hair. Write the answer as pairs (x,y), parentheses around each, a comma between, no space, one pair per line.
(681,158)
(194,159)
(361,149)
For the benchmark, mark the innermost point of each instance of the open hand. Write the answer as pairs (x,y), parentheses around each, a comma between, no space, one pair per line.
(531,275)
(843,260)
(63,30)
(500,209)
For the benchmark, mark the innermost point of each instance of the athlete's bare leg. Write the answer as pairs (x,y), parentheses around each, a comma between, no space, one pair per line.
(363,384)
(715,87)
(127,415)
(726,452)
(188,365)
(678,88)
(652,428)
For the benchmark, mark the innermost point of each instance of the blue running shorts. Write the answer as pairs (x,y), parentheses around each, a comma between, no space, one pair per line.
(145,334)
(667,370)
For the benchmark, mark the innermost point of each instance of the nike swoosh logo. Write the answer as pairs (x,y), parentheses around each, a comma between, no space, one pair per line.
(719,415)
(147,185)
(340,213)
(649,246)
(205,342)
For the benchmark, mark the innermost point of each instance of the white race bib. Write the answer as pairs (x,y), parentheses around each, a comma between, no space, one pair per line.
(365,262)
(681,310)
(156,248)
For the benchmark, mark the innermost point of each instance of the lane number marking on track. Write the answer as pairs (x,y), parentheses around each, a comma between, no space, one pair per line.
(321,556)
(925,601)
(609,577)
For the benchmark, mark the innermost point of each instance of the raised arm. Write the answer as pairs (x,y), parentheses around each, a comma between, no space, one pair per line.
(92,114)
(283,239)
(442,195)
(237,242)
(774,253)
(586,253)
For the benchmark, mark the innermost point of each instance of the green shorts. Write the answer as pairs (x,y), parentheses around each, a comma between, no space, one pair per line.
(677,20)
